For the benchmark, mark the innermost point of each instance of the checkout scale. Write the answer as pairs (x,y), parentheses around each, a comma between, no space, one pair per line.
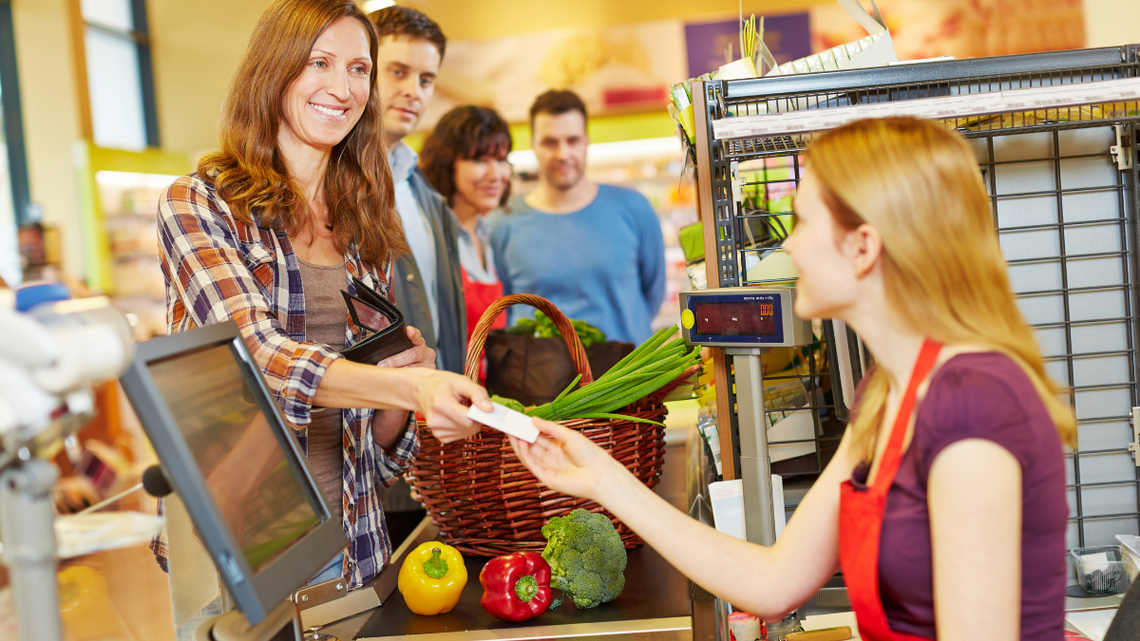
(746,322)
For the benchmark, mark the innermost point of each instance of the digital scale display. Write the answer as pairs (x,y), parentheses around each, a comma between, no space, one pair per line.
(735,319)
(742,317)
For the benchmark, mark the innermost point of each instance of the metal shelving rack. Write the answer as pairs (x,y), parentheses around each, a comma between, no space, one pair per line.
(1063,181)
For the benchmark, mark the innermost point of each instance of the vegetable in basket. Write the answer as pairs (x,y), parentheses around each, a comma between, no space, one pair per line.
(542,327)
(432,578)
(586,556)
(508,402)
(654,364)
(516,587)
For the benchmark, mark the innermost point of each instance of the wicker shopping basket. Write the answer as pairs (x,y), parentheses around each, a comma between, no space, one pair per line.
(483,499)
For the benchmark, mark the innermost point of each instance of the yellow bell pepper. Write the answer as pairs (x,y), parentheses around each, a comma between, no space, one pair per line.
(432,578)
(85,605)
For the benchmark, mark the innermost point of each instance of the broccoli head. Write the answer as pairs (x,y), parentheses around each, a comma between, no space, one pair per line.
(586,556)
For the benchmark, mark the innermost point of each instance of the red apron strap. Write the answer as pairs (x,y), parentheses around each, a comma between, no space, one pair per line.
(861,516)
(892,456)
(477,298)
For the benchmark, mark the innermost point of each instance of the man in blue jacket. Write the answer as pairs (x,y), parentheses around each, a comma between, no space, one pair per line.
(427,283)
(595,251)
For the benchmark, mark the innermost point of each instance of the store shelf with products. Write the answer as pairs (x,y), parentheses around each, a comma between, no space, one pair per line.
(1055,137)
(654,167)
(119,193)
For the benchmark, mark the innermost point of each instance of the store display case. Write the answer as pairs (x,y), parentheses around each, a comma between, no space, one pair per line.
(119,193)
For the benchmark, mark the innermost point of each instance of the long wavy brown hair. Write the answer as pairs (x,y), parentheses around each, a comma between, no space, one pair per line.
(248,170)
(919,185)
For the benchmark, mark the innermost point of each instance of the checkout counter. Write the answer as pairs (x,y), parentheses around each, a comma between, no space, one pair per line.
(658,603)
(197,391)
(655,605)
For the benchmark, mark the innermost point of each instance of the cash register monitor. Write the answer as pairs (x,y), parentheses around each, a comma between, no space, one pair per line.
(235,463)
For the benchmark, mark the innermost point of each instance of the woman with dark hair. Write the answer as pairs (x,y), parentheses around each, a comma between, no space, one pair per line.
(465,159)
(297,202)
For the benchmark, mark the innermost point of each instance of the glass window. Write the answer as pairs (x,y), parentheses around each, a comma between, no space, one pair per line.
(112,14)
(115,92)
(119,85)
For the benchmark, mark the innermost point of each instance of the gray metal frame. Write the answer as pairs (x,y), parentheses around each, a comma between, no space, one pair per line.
(13,117)
(255,594)
(1065,214)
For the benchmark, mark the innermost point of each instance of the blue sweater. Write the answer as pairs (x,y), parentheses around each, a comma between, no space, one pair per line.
(604,264)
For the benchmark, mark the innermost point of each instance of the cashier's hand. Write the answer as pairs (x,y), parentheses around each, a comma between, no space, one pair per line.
(564,460)
(419,355)
(72,494)
(443,398)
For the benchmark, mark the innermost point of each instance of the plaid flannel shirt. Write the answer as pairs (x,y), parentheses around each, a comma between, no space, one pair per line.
(218,269)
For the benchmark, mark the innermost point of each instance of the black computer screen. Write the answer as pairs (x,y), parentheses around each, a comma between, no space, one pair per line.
(256,490)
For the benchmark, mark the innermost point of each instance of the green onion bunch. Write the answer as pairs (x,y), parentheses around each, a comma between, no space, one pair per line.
(654,364)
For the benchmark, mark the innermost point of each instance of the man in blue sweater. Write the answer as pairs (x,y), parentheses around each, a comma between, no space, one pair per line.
(595,251)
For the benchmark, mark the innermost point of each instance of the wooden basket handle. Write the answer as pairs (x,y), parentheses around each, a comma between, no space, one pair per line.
(483,328)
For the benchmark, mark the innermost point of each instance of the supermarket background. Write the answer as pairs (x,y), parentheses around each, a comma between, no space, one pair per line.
(110,110)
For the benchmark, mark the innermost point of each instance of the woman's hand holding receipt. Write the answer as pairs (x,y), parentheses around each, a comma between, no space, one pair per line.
(441,397)
(388,425)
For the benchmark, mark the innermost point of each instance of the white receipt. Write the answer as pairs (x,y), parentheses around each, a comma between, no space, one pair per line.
(506,420)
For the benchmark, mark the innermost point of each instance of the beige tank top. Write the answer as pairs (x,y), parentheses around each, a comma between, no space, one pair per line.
(325,318)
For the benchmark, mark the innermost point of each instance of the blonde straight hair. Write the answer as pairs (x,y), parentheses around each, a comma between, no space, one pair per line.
(919,185)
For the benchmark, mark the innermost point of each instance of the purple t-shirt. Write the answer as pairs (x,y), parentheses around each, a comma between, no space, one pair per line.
(987,396)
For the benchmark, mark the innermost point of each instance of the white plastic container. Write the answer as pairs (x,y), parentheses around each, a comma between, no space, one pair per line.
(727,500)
(1131,546)
(1101,570)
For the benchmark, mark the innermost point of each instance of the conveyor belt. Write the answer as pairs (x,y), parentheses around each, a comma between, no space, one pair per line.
(656,601)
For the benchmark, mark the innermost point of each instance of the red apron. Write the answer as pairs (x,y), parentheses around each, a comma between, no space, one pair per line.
(478,297)
(861,518)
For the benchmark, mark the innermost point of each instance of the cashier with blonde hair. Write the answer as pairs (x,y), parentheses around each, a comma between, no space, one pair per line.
(945,503)
(296,203)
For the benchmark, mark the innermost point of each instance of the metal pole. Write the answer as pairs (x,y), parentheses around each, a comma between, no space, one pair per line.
(27,527)
(755,464)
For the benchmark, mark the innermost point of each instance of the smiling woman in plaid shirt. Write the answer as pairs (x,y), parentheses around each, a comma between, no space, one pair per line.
(296,202)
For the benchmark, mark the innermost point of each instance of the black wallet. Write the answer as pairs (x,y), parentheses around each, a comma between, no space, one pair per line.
(380,320)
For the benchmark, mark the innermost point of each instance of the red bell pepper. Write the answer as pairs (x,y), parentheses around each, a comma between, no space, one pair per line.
(516,587)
